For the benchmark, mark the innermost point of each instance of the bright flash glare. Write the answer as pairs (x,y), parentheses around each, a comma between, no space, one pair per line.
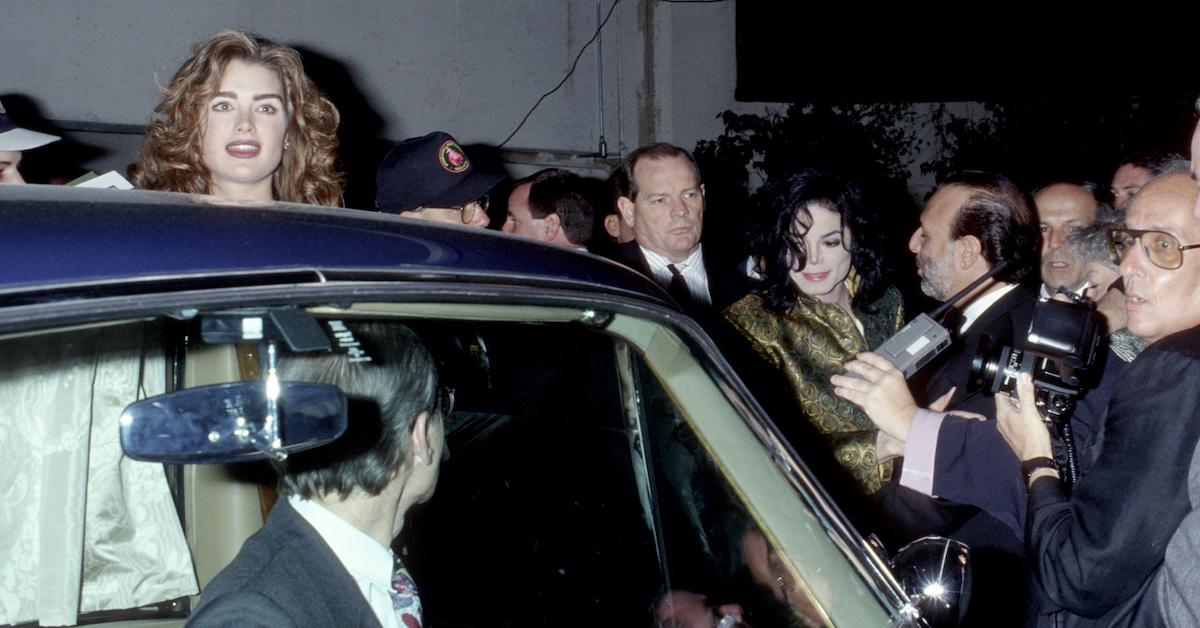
(272,386)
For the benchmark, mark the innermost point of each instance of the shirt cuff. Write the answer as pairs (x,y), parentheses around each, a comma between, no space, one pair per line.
(920,451)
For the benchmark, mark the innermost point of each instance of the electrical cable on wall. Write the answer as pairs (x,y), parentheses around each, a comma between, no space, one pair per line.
(564,79)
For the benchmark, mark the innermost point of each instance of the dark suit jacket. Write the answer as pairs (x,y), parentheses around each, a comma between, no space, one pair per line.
(725,284)
(1006,322)
(1095,552)
(284,575)
(1001,590)
(974,465)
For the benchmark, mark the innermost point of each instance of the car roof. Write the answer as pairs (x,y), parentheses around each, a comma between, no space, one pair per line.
(57,238)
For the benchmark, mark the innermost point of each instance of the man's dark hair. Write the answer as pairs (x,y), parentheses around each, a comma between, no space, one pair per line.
(556,191)
(1001,217)
(1156,161)
(623,182)
(1105,204)
(385,394)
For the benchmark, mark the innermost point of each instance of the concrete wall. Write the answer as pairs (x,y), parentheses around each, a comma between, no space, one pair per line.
(472,67)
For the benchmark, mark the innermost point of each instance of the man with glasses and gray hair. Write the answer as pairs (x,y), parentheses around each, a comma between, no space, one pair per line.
(1097,550)
(430,178)
(1173,596)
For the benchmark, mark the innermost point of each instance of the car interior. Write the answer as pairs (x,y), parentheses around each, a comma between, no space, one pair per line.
(593,471)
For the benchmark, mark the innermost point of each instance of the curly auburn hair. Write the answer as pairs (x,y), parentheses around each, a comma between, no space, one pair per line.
(777,241)
(172,159)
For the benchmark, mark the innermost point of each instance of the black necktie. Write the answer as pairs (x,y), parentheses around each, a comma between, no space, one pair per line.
(679,288)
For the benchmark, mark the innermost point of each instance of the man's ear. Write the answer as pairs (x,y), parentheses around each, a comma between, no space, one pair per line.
(625,206)
(552,226)
(419,441)
(969,250)
(612,225)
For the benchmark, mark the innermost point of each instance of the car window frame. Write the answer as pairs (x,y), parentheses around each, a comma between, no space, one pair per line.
(682,357)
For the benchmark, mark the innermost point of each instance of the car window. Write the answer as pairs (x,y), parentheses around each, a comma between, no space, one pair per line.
(537,517)
(576,492)
(82,528)
(713,544)
(599,472)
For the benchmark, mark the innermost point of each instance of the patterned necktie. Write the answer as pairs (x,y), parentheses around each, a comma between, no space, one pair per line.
(679,288)
(406,601)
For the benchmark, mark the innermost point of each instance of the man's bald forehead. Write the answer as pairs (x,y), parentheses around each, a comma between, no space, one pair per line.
(1066,191)
(1175,185)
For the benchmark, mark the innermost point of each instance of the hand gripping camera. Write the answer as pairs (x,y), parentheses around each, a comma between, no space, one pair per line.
(1060,350)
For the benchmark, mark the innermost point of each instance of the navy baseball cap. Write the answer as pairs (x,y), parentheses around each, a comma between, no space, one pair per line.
(429,171)
(15,138)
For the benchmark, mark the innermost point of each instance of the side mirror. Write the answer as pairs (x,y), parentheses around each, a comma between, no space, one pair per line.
(232,422)
(935,572)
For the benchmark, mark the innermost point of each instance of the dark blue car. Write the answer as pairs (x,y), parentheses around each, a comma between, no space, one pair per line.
(604,457)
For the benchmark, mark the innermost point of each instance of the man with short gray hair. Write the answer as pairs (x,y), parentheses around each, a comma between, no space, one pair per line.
(323,557)
(661,198)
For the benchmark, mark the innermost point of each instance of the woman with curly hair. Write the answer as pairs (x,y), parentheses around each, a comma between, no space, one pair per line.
(241,119)
(822,301)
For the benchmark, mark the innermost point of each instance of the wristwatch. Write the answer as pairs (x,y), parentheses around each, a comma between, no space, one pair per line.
(1033,464)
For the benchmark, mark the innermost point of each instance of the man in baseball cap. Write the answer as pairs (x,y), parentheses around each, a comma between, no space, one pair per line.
(431,178)
(13,140)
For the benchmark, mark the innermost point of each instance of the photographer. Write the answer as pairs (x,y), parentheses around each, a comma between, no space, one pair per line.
(1094,553)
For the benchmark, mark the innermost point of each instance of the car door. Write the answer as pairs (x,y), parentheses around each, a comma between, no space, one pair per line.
(602,475)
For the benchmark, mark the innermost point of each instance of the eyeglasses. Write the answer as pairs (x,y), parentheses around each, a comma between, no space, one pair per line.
(1162,249)
(468,210)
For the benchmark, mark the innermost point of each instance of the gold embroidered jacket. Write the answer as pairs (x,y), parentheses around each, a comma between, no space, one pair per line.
(810,343)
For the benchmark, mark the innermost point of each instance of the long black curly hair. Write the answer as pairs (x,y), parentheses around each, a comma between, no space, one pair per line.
(777,242)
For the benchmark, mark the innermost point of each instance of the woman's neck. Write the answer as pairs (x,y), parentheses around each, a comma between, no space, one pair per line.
(257,191)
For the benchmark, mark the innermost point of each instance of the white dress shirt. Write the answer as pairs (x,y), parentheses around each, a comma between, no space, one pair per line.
(369,563)
(980,305)
(691,268)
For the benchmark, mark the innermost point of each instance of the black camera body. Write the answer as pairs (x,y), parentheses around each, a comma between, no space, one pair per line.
(1060,351)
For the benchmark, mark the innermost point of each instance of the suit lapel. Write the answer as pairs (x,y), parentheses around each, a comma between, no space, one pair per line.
(1005,322)
(630,254)
(323,572)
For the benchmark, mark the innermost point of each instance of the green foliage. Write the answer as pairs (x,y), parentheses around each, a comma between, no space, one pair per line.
(1037,142)
(876,143)
(888,145)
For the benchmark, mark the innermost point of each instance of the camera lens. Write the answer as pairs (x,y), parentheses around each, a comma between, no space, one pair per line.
(991,366)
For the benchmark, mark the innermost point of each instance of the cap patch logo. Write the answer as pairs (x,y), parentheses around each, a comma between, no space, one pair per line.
(452,157)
